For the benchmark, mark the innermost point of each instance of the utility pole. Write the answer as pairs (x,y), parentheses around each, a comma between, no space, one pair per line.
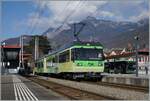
(36,47)
(20,52)
(136,53)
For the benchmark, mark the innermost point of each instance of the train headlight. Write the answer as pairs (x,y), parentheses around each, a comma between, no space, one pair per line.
(100,64)
(90,64)
(79,64)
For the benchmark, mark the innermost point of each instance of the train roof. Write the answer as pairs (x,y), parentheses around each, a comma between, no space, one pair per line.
(78,43)
(73,43)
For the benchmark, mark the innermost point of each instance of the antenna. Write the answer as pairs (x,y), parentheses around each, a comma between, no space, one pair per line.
(77,33)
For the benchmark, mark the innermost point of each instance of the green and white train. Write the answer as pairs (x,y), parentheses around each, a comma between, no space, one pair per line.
(74,60)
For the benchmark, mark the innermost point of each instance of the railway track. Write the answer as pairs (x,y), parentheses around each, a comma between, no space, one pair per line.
(71,93)
(121,86)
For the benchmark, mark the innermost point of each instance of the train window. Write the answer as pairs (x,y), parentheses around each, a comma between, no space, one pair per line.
(36,65)
(41,65)
(87,54)
(72,54)
(54,59)
(64,57)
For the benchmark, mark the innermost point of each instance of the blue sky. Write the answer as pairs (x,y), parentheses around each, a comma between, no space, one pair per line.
(20,17)
(12,14)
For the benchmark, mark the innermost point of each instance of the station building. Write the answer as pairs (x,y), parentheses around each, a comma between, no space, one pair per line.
(10,58)
(124,55)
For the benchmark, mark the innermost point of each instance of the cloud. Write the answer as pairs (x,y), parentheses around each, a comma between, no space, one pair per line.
(63,11)
(105,14)
(75,11)
(142,15)
(122,10)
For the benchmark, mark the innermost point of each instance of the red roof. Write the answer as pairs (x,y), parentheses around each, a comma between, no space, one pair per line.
(127,54)
(144,50)
(10,46)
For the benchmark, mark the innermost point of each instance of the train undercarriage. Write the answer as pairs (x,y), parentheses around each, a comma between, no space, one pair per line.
(74,76)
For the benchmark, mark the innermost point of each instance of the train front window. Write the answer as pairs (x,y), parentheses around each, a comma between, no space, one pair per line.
(87,54)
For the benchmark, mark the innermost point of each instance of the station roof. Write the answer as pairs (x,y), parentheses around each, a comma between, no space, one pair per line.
(120,55)
(10,52)
(144,50)
(127,54)
(10,46)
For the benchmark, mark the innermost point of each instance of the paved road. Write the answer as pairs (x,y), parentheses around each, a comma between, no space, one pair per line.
(15,87)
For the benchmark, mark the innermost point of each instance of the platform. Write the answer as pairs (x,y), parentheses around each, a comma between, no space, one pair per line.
(15,87)
(131,79)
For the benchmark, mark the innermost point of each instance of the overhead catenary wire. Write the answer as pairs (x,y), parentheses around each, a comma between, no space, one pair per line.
(67,17)
(92,15)
(63,9)
(74,11)
(60,13)
(63,22)
(40,11)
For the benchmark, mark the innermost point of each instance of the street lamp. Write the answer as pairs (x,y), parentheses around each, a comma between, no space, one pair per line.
(136,53)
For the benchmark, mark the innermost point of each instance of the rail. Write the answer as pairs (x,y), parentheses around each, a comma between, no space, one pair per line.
(71,93)
(121,86)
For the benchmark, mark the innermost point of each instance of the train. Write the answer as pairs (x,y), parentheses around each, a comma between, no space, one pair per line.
(73,60)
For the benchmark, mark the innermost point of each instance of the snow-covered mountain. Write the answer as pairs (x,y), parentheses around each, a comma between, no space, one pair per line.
(111,34)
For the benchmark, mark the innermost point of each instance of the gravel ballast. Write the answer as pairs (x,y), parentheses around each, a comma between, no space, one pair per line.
(117,93)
